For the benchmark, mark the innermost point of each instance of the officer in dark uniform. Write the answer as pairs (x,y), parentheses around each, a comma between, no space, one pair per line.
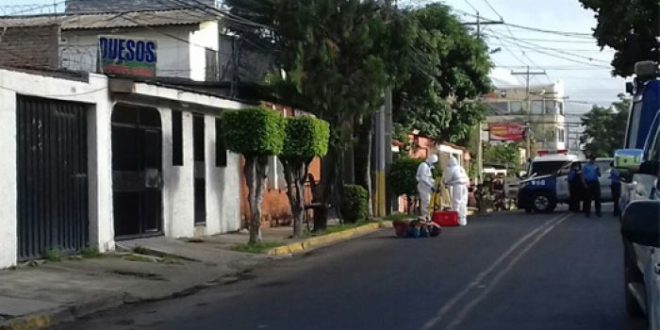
(576,187)
(591,177)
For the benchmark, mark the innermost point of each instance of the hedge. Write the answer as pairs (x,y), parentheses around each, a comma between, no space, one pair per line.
(355,204)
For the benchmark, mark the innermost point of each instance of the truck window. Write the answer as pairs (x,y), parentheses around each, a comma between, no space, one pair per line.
(654,153)
(544,168)
(633,126)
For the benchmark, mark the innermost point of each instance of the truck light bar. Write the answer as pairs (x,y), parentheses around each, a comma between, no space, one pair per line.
(552,152)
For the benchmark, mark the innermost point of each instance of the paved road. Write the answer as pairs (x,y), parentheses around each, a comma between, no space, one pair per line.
(508,271)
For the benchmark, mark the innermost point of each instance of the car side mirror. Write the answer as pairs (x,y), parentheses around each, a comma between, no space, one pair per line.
(630,88)
(649,167)
(641,223)
(628,160)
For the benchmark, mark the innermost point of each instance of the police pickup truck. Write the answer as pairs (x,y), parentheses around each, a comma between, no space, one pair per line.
(539,192)
(547,182)
(640,196)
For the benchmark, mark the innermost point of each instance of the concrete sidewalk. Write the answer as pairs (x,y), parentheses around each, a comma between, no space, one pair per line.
(36,297)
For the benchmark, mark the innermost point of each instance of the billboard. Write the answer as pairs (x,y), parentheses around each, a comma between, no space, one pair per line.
(508,132)
(127,56)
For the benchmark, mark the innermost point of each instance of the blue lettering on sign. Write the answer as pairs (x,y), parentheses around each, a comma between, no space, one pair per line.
(120,50)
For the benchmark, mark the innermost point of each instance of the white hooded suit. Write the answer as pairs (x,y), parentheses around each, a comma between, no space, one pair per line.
(426,184)
(456,178)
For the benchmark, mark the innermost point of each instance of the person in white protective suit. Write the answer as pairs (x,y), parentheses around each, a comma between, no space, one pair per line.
(456,178)
(426,184)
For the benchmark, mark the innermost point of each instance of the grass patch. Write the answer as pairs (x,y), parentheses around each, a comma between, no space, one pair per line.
(258,248)
(53,255)
(399,217)
(342,227)
(90,253)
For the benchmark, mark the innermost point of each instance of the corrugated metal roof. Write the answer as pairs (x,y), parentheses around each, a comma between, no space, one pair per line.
(117,6)
(111,20)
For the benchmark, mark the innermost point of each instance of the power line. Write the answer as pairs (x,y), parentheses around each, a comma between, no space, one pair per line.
(223,14)
(531,61)
(538,49)
(471,6)
(518,26)
(563,51)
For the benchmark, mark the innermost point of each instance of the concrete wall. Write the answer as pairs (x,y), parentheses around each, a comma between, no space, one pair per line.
(35,47)
(181,49)
(8,186)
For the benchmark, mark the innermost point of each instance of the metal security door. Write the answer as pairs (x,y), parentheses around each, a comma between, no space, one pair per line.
(52,177)
(137,171)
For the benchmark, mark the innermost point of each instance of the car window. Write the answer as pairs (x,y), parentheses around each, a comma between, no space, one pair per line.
(543,168)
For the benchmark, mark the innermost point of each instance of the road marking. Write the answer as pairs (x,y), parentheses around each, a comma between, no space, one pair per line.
(544,229)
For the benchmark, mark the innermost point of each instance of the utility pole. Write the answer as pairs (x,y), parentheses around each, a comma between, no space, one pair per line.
(382,149)
(480,147)
(528,74)
(479,23)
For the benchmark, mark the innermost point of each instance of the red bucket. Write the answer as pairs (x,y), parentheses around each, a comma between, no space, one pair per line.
(446,218)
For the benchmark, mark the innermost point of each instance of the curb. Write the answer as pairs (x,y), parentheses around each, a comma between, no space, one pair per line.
(325,240)
(47,319)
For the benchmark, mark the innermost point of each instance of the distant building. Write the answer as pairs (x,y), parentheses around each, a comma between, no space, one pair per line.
(542,110)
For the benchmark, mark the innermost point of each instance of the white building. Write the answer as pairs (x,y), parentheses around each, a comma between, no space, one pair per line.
(89,160)
(188,40)
(542,109)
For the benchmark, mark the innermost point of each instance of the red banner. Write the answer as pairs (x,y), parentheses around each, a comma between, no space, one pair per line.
(512,132)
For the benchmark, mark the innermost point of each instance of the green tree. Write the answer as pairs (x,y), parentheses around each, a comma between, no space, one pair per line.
(255,133)
(306,138)
(628,26)
(338,57)
(505,154)
(605,128)
(450,70)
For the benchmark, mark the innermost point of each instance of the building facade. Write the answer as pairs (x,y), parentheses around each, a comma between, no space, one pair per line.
(90,160)
(541,109)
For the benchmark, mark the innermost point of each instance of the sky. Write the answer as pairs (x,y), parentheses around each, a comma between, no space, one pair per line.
(576,60)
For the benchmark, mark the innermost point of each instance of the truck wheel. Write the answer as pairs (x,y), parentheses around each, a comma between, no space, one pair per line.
(632,275)
(543,202)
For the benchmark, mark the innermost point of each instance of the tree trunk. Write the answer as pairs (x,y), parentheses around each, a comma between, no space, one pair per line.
(256,169)
(298,206)
(363,150)
(295,174)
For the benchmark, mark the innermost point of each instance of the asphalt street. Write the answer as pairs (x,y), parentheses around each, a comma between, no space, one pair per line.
(505,271)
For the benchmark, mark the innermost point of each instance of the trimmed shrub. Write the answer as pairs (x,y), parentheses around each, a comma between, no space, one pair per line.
(254,132)
(355,204)
(305,138)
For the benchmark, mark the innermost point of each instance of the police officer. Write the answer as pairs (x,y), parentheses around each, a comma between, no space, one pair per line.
(616,188)
(591,176)
(576,187)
